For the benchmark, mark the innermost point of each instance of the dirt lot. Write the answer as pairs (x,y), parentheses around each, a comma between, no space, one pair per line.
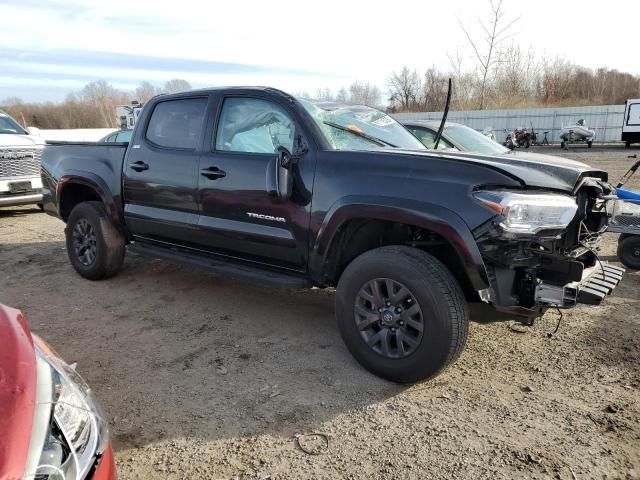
(204,377)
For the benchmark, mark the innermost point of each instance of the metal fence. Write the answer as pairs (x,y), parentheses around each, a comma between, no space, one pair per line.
(606,120)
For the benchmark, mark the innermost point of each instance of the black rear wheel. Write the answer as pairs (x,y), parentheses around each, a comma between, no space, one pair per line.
(94,245)
(401,313)
(629,252)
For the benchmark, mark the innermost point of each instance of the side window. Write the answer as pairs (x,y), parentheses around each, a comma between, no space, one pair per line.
(252,125)
(177,123)
(428,138)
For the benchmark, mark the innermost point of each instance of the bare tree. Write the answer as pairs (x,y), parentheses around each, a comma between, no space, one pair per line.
(176,85)
(361,93)
(145,91)
(404,89)
(484,47)
(104,98)
(342,96)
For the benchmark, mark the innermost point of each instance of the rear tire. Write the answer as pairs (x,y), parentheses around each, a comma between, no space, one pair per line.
(419,332)
(629,252)
(94,245)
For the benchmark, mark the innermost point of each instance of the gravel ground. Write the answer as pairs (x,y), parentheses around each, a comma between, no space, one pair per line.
(205,377)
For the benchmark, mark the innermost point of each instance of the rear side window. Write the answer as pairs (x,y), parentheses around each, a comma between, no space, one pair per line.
(177,123)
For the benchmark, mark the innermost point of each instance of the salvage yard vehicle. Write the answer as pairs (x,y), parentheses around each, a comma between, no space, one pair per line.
(625,220)
(257,184)
(119,136)
(52,427)
(631,122)
(454,136)
(20,154)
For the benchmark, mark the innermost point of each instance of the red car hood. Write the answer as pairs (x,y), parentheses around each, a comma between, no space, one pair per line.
(17,392)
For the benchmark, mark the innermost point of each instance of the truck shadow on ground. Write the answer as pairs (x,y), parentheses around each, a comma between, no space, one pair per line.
(175,353)
(19,211)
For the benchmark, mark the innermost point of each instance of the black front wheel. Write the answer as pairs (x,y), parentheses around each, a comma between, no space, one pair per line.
(629,251)
(401,313)
(94,245)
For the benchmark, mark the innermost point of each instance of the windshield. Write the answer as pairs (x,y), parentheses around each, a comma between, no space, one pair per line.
(471,141)
(356,127)
(9,125)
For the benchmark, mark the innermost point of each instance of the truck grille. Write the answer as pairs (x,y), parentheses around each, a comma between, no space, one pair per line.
(15,162)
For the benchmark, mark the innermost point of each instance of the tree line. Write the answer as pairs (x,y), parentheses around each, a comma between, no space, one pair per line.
(94,106)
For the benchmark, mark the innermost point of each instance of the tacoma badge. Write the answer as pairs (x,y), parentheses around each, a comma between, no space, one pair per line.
(266,217)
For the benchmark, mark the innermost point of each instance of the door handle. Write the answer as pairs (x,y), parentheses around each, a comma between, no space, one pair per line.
(139,166)
(213,173)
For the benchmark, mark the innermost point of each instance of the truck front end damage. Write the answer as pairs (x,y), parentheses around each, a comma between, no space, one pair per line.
(540,249)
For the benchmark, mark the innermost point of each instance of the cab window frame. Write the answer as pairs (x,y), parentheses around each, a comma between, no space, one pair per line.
(203,126)
(298,130)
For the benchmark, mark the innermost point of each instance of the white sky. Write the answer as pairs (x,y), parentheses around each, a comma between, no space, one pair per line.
(303,45)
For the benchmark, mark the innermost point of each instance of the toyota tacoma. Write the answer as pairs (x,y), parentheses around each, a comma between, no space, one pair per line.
(260,185)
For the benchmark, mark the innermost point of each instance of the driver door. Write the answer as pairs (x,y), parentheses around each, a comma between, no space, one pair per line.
(238,217)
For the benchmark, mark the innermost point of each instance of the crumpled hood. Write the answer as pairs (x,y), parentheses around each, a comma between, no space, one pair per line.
(14,140)
(532,169)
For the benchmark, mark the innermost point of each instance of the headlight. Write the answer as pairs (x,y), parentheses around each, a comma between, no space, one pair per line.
(529,213)
(69,429)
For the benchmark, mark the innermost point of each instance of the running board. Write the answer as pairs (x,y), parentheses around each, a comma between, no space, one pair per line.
(228,268)
(599,284)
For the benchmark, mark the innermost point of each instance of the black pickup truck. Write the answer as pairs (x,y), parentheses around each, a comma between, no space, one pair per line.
(257,184)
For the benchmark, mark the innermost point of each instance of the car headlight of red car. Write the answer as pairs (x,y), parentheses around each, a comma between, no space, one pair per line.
(69,431)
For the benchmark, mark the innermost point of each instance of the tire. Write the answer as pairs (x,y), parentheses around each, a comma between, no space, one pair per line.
(627,144)
(527,143)
(629,252)
(562,144)
(433,292)
(40,206)
(99,253)
(589,144)
(623,236)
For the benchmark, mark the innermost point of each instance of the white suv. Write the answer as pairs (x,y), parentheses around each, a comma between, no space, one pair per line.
(20,153)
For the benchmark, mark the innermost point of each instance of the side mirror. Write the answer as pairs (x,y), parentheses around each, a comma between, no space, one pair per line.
(280,175)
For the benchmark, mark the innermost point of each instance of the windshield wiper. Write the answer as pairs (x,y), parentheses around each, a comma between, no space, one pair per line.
(372,139)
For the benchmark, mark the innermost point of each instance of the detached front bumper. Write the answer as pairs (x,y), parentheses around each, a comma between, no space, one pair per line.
(597,282)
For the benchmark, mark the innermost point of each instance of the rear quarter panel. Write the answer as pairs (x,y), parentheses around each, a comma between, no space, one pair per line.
(96,165)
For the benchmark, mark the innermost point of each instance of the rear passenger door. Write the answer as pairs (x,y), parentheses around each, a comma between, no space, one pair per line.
(160,179)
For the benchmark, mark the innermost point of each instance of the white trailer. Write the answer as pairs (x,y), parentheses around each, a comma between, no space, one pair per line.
(127,115)
(631,122)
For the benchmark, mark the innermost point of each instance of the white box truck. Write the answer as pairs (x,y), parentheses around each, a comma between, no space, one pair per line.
(631,122)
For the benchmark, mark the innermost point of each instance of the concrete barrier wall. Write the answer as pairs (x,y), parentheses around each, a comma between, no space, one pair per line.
(606,120)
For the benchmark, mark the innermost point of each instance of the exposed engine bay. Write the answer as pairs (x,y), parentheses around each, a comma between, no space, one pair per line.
(553,267)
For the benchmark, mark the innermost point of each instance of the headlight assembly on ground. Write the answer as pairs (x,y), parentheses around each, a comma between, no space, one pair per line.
(69,431)
(529,213)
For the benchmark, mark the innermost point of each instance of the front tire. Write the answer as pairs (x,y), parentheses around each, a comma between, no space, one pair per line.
(629,251)
(94,245)
(401,313)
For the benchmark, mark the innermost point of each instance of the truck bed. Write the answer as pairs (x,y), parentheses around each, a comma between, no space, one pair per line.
(96,163)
